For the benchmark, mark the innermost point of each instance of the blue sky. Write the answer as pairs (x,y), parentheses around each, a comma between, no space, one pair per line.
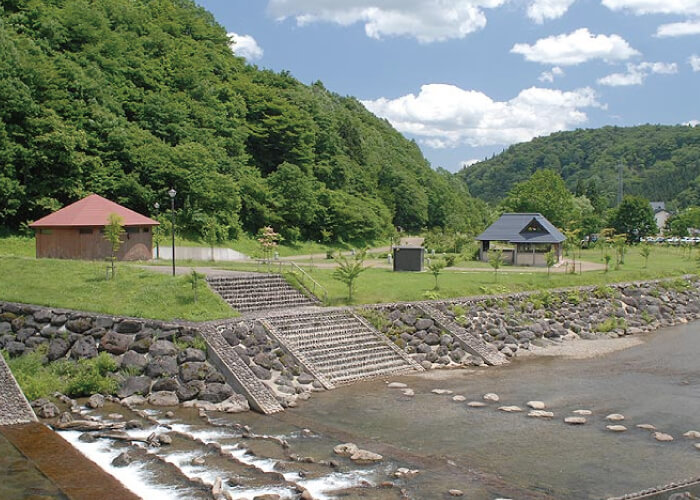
(467,78)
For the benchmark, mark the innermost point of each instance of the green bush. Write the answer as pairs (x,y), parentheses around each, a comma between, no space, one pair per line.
(611,324)
(603,292)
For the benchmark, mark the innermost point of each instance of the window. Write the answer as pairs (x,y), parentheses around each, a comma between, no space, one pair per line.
(132,230)
(45,231)
(85,230)
(146,229)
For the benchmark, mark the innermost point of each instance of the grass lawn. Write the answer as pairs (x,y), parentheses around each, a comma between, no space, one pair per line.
(82,285)
(17,246)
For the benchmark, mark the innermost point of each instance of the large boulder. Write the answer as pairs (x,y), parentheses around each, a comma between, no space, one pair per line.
(115,343)
(165,384)
(132,360)
(163,348)
(261,373)
(58,348)
(79,325)
(24,333)
(129,326)
(216,392)
(135,385)
(162,366)
(191,354)
(141,345)
(84,348)
(235,404)
(194,371)
(163,398)
(424,324)
(190,390)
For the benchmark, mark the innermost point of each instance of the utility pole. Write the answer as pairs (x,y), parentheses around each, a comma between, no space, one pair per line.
(620,189)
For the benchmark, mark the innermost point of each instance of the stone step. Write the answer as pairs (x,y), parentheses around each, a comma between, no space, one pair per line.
(251,292)
(14,407)
(338,347)
(237,373)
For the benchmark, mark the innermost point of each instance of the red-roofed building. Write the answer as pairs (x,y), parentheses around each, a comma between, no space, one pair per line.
(77,232)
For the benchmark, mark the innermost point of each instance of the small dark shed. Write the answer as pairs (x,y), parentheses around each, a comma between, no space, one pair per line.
(408,258)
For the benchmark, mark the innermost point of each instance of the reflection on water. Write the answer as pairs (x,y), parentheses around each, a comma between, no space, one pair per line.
(20,479)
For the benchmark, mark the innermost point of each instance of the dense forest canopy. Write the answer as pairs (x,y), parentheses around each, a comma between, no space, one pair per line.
(128,98)
(660,163)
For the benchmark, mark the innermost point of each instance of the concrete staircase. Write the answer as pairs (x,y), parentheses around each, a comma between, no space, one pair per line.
(14,407)
(249,292)
(338,347)
(471,343)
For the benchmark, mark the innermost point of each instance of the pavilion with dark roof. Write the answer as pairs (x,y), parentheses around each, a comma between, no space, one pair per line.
(529,236)
(77,232)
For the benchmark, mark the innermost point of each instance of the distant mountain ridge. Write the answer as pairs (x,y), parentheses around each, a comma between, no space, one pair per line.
(661,163)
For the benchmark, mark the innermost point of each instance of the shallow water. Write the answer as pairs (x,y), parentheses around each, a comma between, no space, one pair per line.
(484,452)
(657,382)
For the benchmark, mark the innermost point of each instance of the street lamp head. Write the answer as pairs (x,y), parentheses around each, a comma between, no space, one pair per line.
(172,193)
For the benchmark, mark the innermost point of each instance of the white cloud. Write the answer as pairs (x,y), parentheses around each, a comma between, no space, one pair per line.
(542,10)
(549,76)
(245,46)
(694,61)
(640,7)
(426,20)
(679,29)
(445,116)
(575,48)
(637,73)
(692,123)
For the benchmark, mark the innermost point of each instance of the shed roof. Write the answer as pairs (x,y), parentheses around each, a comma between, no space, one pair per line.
(522,228)
(92,210)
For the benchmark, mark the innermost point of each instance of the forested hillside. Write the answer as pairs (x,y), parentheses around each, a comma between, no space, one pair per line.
(127,98)
(659,163)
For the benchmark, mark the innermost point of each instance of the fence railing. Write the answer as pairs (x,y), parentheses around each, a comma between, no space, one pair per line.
(313,286)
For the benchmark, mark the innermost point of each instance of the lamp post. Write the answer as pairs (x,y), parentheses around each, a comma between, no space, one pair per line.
(156,205)
(172,194)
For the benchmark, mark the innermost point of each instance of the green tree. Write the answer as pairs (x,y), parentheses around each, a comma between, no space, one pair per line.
(645,251)
(496,261)
(114,232)
(544,192)
(195,279)
(634,218)
(678,224)
(550,259)
(349,269)
(435,267)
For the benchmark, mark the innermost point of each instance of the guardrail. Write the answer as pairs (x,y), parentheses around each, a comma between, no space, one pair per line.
(314,286)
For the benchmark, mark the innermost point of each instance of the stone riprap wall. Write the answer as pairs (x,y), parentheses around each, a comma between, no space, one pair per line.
(270,362)
(163,363)
(520,321)
(418,335)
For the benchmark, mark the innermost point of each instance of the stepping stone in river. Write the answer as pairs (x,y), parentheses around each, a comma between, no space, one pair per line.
(540,414)
(441,391)
(692,435)
(583,412)
(615,417)
(458,398)
(476,404)
(397,385)
(408,392)
(491,397)
(646,427)
(663,437)
(536,405)
(510,409)
(616,428)
(697,446)
(575,420)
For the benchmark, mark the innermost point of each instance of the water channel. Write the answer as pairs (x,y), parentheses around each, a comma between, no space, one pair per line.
(484,452)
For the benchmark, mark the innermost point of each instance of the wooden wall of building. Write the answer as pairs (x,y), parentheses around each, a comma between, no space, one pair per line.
(74,243)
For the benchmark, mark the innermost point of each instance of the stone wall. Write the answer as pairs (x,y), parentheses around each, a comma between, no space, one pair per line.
(161,361)
(525,321)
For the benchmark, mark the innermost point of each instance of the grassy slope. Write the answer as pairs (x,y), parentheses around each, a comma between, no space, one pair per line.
(82,285)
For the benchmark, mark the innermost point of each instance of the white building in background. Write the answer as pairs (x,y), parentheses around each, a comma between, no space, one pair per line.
(661,215)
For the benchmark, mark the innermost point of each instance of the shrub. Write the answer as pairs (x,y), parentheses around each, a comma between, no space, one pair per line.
(611,324)
(603,292)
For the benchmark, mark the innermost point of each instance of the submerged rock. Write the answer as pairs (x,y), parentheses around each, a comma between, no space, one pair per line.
(510,409)
(491,397)
(583,412)
(346,449)
(365,457)
(476,404)
(540,414)
(662,436)
(646,427)
(616,428)
(575,420)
